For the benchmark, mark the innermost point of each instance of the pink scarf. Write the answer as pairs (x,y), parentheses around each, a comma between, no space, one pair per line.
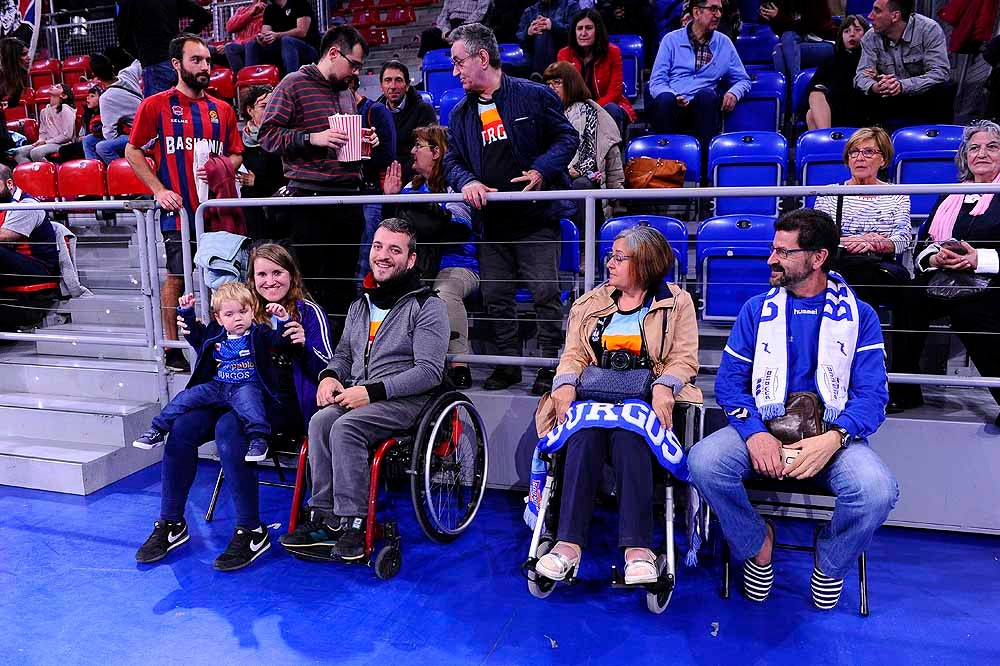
(944,219)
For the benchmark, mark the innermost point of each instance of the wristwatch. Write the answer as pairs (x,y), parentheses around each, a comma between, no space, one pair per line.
(845,437)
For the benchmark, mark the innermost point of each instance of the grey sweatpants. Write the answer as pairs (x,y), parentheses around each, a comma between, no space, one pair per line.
(339,440)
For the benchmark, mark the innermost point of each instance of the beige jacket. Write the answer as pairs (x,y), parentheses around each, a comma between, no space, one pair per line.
(669,330)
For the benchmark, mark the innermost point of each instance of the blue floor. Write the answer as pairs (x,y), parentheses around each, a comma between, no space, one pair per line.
(71,593)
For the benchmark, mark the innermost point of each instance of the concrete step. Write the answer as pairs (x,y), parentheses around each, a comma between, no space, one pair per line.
(125,309)
(102,348)
(84,377)
(111,422)
(105,277)
(68,467)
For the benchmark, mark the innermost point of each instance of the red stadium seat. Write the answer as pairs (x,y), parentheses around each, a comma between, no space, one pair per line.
(222,84)
(45,72)
(375,36)
(361,18)
(389,4)
(75,68)
(258,75)
(40,99)
(81,89)
(122,181)
(421,3)
(82,178)
(355,5)
(26,126)
(37,179)
(400,16)
(26,109)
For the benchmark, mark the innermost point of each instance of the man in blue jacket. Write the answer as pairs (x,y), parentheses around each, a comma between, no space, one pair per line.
(697,76)
(509,134)
(807,334)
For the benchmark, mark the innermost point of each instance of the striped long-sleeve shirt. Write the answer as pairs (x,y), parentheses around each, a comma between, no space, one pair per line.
(886,215)
(302,104)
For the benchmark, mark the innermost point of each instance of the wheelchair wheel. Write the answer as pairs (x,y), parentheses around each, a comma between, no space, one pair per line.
(449,461)
(388,562)
(541,587)
(658,600)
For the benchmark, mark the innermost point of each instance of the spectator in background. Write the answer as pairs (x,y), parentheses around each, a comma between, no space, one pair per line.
(90,129)
(542,31)
(802,27)
(730,23)
(119,104)
(14,61)
(507,135)
(625,17)
(261,175)
(456,275)
(453,14)
(600,63)
(598,161)
(168,120)
(146,29)
(374,116)
(904,67)
(103,70)
(27,238)
(697,76)
(409,111)
(833,99)
(245,24)
(289,36)
(56,125)
(296,126)
(506,17)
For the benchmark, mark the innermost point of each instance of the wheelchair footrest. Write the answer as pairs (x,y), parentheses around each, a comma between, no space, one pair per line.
(662,585)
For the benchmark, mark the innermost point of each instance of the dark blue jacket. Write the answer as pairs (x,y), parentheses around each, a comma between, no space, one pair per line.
(203,339)
(374,114)
(541,137)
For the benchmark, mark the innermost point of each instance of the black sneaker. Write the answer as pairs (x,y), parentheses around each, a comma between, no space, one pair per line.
(314,532)
(175,360)
(351,544)
(460,376)
(150,439)
(257,450)
(245,547)
(543,381)
(503,376)
(166,536)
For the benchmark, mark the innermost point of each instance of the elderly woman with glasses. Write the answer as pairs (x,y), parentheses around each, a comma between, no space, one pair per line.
(962,242)
(637,315)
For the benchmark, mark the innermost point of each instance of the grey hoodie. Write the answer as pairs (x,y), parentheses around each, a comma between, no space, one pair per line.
(120,101)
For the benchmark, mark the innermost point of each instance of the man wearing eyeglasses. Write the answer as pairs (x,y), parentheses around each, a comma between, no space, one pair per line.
(697,76)
(809,334)
(510,135)
(296,125)
(288,36)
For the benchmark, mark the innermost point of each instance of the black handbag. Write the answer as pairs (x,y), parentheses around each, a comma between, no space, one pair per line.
(614,386)
(949,285)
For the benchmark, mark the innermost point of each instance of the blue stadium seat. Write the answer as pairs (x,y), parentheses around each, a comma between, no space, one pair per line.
(672,229)
(569,264)
(863,7)
(925,154)
(428,97)
(762,108)
(732,261)
(669,146)
(755,44)
(449,98)
(800,100)
(632,62)
(741,159)
(513,55)
(819,158)
(437,68)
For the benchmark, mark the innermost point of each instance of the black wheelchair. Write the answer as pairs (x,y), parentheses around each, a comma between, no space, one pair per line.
(445,458)
(658,593)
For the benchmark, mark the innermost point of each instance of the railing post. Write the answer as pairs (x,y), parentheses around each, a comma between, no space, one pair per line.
(149,307)
(203,296)
(154,277)
(589,240)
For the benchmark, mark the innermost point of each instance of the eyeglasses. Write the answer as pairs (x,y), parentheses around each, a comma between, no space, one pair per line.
(618,258)
(715,9)
(419,146)
(355,65)
(868,153)
(784,252)
(991,147)
(554,83)
(458,63)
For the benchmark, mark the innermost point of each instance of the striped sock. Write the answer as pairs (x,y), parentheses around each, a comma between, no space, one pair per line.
(825,590)
(757,580)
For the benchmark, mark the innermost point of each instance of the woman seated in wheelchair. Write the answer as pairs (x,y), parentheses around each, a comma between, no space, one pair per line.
(633,321)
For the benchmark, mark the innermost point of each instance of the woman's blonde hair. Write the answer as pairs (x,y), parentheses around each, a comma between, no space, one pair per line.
(651,255)
(878,135)
(277,254)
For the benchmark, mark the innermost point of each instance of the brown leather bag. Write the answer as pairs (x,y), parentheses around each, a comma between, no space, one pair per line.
(803,418)
(643,172)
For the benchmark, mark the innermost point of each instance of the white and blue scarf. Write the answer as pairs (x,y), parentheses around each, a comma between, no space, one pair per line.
(838,339)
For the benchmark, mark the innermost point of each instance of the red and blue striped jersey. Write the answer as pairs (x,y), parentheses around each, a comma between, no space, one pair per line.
(177,122)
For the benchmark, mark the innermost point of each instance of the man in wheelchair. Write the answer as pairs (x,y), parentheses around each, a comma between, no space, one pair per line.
(390,357)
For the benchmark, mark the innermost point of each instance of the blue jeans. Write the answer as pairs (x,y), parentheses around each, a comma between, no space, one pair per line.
(157,78)
(793,52)
(289,52)
(180,459)
(246,399)
(373,216)
(20,269)
(90,146)
(111,149)
(618,114)
(236,55)
(865,488)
